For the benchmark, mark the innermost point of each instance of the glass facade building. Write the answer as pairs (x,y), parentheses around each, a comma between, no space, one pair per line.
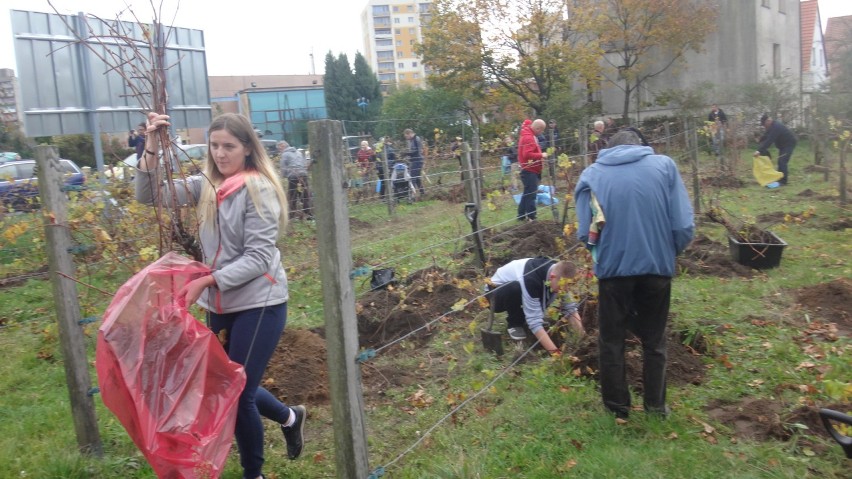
(284,114)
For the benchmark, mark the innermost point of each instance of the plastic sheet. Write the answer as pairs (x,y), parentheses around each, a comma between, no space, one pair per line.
(764,171)
(165,376)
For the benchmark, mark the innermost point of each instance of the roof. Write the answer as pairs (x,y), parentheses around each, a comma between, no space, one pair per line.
(809,10)
(838,36)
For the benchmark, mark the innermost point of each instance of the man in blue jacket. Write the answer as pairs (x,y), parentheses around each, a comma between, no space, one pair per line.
(642,220)
(784,140)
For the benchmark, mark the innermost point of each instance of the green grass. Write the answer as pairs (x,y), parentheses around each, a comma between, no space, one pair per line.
(539,420)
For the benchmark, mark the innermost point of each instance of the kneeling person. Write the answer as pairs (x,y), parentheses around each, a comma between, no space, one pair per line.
(524,288)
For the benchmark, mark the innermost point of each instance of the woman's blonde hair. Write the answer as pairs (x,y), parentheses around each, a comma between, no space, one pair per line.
(256,161)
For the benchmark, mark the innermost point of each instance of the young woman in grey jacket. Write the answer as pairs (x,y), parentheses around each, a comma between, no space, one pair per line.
(241,209)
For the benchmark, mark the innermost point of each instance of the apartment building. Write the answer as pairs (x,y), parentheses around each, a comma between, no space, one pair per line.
(390,30)
(9,111)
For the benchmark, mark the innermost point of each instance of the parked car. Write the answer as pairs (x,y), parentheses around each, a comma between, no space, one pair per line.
(19,182)
(9,156)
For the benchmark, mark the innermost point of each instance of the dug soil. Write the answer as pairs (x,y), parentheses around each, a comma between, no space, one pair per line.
(399,322)
(404,318)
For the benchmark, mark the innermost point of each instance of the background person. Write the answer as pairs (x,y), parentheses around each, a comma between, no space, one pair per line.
(649,221)
(414,154)
(136,140)
(783,139)
(241,209)
(530,160)
(294,166)
(720,122)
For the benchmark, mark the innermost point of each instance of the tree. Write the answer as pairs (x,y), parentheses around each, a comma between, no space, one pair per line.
(644,38)
(368,92)
(525,47)
(339,87)
(424,111)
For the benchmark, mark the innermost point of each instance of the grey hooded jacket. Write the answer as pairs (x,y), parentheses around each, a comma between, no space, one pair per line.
(240,247)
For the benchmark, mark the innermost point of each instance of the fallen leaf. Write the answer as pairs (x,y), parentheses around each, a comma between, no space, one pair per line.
(673,435)
(620,421)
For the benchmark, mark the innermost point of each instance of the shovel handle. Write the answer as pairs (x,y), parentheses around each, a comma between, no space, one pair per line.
(490,315)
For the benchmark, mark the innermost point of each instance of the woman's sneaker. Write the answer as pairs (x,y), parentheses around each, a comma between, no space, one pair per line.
(293,434)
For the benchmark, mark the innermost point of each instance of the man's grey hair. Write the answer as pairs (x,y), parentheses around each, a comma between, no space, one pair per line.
(624,137)
(283,144)
(599,124)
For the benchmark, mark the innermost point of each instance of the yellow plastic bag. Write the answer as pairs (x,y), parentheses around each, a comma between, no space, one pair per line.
(764,172)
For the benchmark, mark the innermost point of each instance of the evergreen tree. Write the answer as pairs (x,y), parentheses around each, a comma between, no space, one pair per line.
(369,92)
(339,86)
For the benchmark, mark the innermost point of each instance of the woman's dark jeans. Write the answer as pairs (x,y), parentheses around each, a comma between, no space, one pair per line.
(252,337)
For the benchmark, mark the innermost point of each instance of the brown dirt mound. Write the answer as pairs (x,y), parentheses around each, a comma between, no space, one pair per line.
(807,193)
(756,419)
(840,224)
(386,315)
(527,240)
(684,364)
(809,416)
(830,301)
(707,257)
(297,372)
(723,181)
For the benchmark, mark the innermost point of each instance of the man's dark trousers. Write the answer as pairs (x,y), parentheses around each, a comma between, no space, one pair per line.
(526,207)
(507,298)
(783,159)
(639,304)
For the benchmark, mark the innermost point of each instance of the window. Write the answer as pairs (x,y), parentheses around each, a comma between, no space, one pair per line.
(400,65)
(402,76)
(425,7)
(380,10)
(387,77)
(384,66)
(381,21)
(397,31)
(776,60)
(395,8)
(383,31)
(765,3)
(411,42)
(411,31)
(396,20)
(410,19)
(384,55)
(414,64)
(399,43)
(399,54)
(416,75)
(384,42)
(411,8)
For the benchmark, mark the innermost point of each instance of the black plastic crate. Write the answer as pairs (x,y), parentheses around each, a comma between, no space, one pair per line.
(757,255)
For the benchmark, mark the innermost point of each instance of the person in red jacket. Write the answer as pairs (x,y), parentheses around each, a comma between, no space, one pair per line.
(530,159)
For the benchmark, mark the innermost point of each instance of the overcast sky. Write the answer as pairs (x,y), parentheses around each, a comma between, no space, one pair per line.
(254,37)
(242,37)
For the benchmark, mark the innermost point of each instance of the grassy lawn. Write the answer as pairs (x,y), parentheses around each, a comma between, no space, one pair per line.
(540,418)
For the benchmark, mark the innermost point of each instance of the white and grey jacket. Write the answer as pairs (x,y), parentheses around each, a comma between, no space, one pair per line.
(240,247)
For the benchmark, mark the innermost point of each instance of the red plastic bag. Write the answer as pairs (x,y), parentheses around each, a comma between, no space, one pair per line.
(165,375)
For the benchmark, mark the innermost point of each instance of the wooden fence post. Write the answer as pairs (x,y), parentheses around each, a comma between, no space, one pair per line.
(55,219)
(387,186)
(474,203)
(692,137)
(341,323)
